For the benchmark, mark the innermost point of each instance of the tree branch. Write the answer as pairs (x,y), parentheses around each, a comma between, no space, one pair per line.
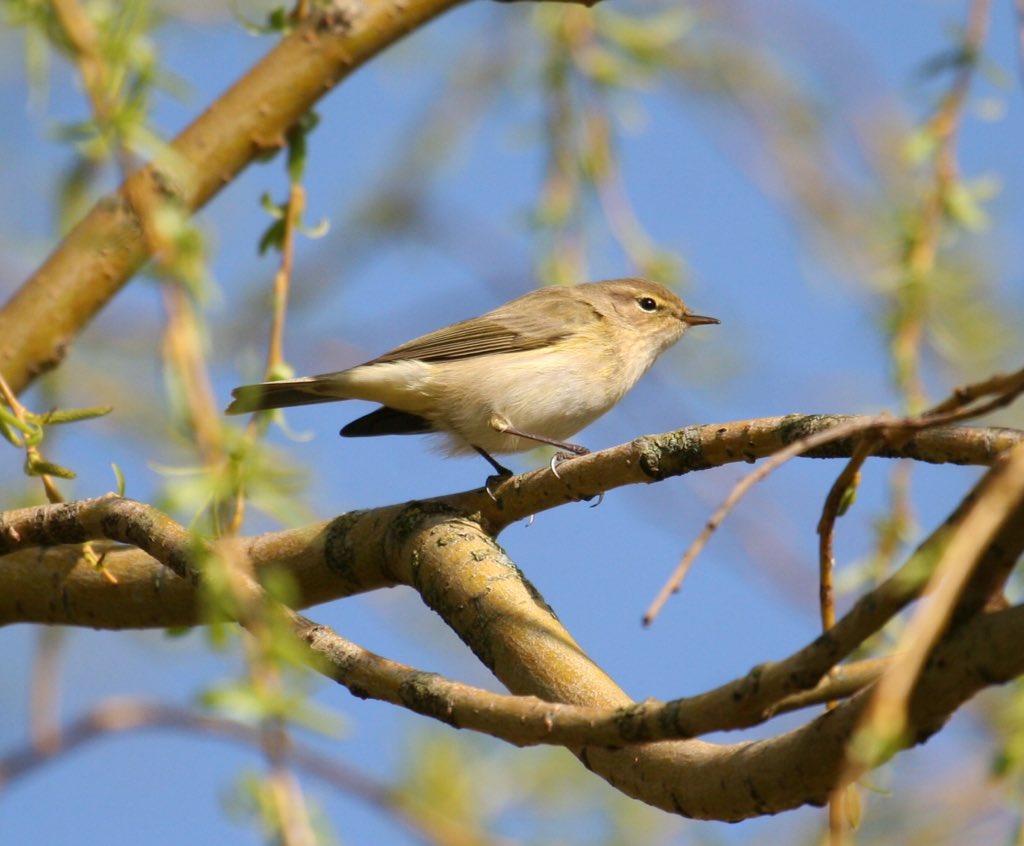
(445,554)
(117,716)
(352,553)
(686,776)
(657,457)
(472,585)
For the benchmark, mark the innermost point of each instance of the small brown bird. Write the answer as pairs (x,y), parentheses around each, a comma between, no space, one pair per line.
(535,370)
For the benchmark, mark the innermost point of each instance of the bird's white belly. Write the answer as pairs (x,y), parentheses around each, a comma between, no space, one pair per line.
(535,394)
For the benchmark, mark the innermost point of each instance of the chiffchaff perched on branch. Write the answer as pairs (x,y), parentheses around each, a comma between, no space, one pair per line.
(535,370)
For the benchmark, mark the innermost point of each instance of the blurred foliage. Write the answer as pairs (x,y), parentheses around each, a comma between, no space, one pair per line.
(860,194)
(594,66)
(540,795)
(113,44)
(250,802)
(25,430)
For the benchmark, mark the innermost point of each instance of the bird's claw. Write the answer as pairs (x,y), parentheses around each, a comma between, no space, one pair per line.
(560,457)
(557,459)
(495,479)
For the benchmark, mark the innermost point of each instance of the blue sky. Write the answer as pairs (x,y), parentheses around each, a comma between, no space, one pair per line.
(799,333)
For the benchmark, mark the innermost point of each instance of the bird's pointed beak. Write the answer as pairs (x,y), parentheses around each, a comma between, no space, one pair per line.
(698,319)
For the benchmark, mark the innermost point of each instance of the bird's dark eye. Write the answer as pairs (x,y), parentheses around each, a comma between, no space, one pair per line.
(647,304)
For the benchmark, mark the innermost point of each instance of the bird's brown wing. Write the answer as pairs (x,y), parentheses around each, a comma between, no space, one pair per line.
(478,336)
(549,318)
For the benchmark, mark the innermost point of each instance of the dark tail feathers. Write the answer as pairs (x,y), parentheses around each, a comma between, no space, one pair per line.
(274,395)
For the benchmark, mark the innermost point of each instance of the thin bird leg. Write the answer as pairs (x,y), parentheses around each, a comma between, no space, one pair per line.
(500,469)
(499,424)
(556,459)
(575,449)
(502,472)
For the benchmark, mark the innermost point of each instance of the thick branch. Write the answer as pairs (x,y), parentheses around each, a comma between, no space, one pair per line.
(57,584)
(465,577)
(746,700)
(107,517)
(656,457)
(803,766)
(527,720)
(470,582)
(353,553)
(521,720)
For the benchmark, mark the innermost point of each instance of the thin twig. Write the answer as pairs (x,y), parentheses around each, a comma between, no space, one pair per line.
(926,236)
(886,718)
(44,687)
(31,452)
(282,278)
(741,488)
(844,486)
(116,716)
(1011,385)
(275,346)
(53,494)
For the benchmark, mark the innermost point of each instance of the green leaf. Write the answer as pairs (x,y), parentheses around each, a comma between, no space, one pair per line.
(963,207)
(281,371)
(296,137)
(7,433)
(605,67)
(39,467)
(34,436)
(645,36)
(72,415)
(119,476)
(275,210)
(238,701)
(272,238)
(11,420)
(848,498)
(920,145)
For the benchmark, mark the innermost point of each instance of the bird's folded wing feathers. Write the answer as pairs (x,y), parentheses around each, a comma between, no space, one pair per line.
(464,341)
(503,330)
